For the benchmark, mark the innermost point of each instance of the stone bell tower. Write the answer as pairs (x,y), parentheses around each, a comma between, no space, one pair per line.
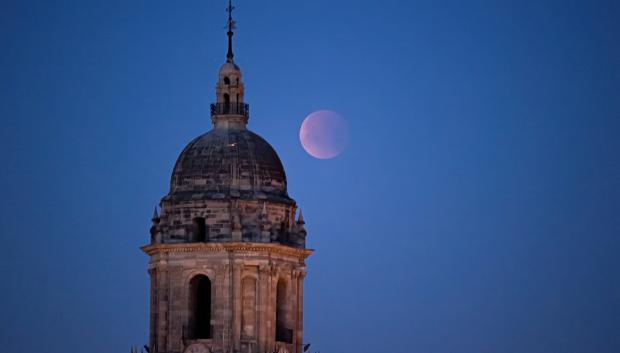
(227,256)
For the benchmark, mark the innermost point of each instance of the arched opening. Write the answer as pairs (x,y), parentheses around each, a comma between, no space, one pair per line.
(226,80)
(200,307)
(200,230)
(283,332)
(226,103)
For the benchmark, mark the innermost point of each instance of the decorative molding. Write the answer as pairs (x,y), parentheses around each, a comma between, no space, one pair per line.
(153,249)
(295,274)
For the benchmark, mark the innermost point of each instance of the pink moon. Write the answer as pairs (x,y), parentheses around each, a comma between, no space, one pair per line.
(324,134)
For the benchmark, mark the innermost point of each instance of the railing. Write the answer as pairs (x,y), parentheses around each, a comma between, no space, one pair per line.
(230,108)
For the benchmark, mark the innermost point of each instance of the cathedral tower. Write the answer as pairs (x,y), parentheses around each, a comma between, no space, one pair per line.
(227,256)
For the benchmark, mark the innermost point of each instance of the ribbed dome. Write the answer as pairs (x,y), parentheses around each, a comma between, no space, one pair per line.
(226,163)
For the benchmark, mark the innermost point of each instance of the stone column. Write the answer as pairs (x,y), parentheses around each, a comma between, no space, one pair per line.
(237,305)
(154,304)
(163,283)
(299,331)
(271,308)
(224,307)
(177,307)
(295,309)
(262,303)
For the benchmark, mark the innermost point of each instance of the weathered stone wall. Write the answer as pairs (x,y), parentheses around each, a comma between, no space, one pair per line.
(244,281)
(229,220)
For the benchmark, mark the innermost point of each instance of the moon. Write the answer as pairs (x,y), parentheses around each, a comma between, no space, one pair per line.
(324,134)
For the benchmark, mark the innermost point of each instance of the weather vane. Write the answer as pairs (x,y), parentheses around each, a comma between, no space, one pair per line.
(231,26)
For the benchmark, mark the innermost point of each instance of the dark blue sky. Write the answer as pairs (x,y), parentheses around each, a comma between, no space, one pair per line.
(476,210)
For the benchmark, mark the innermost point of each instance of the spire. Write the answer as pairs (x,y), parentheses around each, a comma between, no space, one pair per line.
(231,26)
(301,230)
(300,219)
(155,215)
(229,110)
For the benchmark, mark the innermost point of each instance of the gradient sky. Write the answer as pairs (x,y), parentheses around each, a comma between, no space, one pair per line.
(476,209)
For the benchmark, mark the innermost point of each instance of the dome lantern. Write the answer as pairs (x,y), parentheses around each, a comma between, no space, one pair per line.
(229,109)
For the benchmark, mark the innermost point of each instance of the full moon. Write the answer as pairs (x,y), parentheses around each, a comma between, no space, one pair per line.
(324,134)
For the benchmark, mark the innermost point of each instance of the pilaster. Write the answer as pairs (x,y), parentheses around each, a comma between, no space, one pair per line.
(236,305)
(263,304)
(299,331)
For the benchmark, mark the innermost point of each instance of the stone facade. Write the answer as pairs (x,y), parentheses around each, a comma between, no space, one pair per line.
(227,254)
(204,216)
(251,285)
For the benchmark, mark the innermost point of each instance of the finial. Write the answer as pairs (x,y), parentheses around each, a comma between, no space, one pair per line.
(155,215)
(231,26)
(300,219)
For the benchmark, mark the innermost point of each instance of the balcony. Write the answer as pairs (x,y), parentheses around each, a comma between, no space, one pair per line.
(231,108)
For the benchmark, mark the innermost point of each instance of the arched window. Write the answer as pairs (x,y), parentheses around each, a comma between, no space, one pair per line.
(226,80)
(283,332)
(226,103)
(199,325)
(200,229)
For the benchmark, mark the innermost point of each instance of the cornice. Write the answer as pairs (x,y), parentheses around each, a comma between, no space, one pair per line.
(153,249)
